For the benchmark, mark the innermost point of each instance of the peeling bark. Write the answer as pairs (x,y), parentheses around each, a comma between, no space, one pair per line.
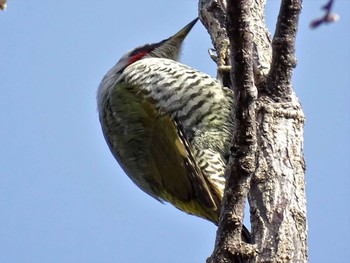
(266,162)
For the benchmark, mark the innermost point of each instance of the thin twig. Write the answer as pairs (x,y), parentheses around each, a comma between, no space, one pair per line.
(3,4)
(328,17)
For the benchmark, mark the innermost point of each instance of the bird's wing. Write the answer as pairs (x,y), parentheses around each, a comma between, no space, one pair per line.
(152,148)
(170,149)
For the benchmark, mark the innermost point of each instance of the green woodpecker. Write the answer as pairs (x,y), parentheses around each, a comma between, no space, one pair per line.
(169,126)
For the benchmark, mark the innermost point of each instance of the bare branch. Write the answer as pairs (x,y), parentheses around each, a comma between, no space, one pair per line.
(277,194)
(262,49)
(283,56)
(266,156)
(229,246)
(328,17)
(213,16)
(3,4)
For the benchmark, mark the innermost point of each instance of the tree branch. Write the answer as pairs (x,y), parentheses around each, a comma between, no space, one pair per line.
(328,17)
(3,4)
(229,246)
(277,196)
(279,82)
(213,16)
(266,156)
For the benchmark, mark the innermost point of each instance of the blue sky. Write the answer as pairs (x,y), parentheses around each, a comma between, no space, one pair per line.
(63,198)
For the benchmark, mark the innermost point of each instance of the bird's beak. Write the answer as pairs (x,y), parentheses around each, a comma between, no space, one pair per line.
(184,31)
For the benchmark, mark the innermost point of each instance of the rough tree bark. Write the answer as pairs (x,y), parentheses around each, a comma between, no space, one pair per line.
(266,162)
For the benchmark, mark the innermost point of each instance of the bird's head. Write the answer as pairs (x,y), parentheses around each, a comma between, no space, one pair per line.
(168,48)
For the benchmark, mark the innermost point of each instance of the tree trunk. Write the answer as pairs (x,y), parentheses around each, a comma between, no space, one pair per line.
(266,162)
